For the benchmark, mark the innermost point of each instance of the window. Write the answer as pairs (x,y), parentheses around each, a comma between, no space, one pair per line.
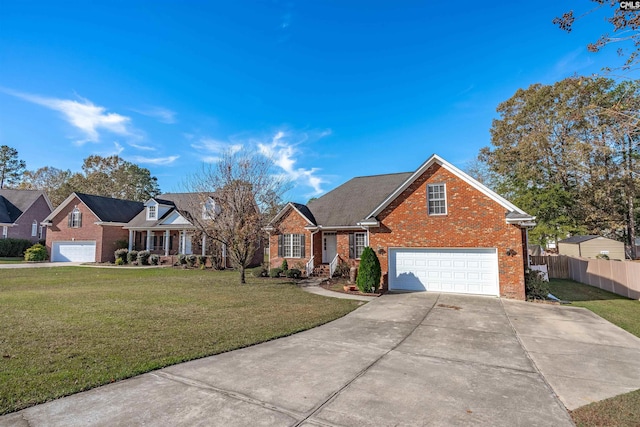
(437,199)
(41,233)
(5,231)
(75,218)
(209,209)
(291,245)
(357,243)
(34,228)
(152,212)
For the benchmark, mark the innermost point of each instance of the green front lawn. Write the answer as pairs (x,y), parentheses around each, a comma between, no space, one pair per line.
(11,260)
(623,410)
(69,329)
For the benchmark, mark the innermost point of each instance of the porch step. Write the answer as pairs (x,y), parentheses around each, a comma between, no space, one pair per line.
(321,270)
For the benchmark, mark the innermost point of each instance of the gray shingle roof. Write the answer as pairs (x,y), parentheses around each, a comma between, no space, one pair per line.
(13,203)
(354,200)
(108,209)
(578,239)
(185,203)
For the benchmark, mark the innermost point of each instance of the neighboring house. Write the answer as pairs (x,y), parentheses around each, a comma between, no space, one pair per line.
(168,225)
(21,214)
(85,228)
(435,229)
(591,247)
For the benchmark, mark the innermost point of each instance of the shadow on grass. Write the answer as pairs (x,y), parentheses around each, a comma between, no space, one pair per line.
(575,291)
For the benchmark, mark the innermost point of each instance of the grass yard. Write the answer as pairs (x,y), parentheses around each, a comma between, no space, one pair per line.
(11,260)
(623,410)
(68,329)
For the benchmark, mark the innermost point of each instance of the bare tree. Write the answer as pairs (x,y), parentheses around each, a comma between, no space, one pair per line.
(233,195)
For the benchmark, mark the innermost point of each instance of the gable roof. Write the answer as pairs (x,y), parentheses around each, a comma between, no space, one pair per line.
(186,204)
(578,239)
(350,203)
(13,203)
(106,209)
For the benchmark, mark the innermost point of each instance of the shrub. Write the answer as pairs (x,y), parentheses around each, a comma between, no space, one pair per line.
(132,256)
(294,273)
(602,256)
(260,271)
(36,252)
(342,270)
(14,247)
(534,285)
(202,261)
(121,254)
(191,260)
(369,272)
(155,259)
(122,244)
(143,257)
(182,259)
(285,265)
(119,261)
(275,272)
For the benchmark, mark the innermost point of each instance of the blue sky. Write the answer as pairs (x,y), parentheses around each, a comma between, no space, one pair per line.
(329,89)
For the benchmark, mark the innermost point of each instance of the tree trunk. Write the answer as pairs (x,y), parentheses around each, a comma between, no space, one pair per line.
(242,279)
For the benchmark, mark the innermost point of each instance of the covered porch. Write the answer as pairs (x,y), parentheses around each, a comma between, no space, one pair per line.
(167,241)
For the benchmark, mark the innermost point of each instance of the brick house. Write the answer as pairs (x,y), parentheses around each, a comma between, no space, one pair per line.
(435,229)
(85,228)
(21,214)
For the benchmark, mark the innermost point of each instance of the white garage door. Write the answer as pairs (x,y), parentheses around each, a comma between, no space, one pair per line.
(467,271)
(73,251)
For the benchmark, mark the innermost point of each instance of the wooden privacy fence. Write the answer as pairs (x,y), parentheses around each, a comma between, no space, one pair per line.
(557,266)
(620,277)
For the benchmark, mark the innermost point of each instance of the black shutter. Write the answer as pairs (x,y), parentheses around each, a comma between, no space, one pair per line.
(302,245)
(352,246)
(280,243)
(69,219)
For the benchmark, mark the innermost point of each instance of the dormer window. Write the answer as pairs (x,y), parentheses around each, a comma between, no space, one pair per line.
(209,210)
(75,218)
(152,212)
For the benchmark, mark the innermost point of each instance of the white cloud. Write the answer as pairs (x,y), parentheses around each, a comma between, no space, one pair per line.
(85,116)
(141,147)
(163,115)
(162,161)
(212,149)
(284,152)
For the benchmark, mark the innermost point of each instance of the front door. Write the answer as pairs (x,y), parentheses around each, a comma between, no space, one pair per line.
(329,247)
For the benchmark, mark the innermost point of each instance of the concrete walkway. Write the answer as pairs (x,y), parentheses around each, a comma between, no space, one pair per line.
(312,285)
(401,359)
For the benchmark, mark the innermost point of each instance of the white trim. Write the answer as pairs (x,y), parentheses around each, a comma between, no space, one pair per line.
(454,170)
(64,205)
(111,224)
(446,208)
(5,231)
(34,228)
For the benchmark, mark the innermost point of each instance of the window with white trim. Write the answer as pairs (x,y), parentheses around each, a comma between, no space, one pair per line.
(41,232)
(75,218)
(437,199)
(152,212)
(5,231)
(291,245)
(357,243)
(34,228)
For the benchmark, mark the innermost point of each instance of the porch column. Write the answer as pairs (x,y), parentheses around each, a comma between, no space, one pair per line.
(131,236)
(183,241)
(166,242)
(148,240)
(204,244)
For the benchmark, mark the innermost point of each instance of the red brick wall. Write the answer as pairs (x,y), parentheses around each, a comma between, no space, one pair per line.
(110,234)
(472,220)
(38,211)
(60,231)
(292,223)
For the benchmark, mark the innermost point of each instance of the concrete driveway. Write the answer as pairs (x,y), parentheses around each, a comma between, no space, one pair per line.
(400,360)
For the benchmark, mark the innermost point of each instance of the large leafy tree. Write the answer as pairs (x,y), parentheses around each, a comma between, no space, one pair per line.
(243,188)
(54,181)
(567,153)
(11,167)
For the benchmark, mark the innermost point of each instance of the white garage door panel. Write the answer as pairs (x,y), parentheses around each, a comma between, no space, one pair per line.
(471,271)
(73,251)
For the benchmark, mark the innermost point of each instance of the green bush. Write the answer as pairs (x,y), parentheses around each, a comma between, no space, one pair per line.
(182,259)
(143,257)
(275,272)
(191,260)
(154,259)
(285,265)
(132,257)
(121,254)
(369,272)
(602,256)
(36,252)
(294,273)
(120,261)
(14,247)
(202,261)
(535,286)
